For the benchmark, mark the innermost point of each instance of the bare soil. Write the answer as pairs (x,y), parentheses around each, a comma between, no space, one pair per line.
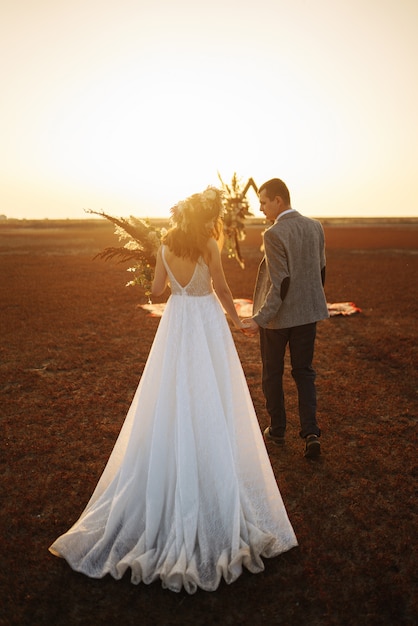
(74,342)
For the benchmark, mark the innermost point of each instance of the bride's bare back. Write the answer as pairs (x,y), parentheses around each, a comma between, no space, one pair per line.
(182,268)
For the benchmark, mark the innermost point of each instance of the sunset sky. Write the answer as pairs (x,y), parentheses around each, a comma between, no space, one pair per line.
(130,105)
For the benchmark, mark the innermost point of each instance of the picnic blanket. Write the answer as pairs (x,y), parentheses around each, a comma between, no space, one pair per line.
(244,308)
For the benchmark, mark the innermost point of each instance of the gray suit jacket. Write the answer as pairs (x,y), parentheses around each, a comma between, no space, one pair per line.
(294,248)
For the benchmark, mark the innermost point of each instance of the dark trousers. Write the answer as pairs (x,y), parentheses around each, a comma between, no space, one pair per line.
(273,342)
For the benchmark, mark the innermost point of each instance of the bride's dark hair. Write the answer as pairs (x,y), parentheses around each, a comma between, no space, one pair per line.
(190,232)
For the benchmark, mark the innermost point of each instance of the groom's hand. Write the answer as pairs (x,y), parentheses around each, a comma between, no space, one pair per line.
(250,326)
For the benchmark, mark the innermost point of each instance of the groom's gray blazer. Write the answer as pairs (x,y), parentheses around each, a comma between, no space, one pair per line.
(295,255)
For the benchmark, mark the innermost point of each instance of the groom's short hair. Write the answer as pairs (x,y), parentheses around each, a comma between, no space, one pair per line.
(276,187)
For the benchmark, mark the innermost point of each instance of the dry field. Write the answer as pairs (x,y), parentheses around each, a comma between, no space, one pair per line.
(74,342)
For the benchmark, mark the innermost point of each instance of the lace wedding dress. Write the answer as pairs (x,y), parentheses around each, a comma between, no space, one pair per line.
(188,495)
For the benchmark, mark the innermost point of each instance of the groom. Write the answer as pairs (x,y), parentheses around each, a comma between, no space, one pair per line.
(288,301)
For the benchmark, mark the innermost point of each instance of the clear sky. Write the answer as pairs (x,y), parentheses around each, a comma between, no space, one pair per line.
(129,105)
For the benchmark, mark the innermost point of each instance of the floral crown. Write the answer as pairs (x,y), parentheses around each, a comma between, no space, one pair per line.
(210,199)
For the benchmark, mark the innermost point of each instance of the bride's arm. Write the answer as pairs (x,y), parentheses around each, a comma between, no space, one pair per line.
(160,277)
(219,283)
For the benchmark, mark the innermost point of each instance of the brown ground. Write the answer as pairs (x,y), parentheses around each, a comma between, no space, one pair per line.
(73,345)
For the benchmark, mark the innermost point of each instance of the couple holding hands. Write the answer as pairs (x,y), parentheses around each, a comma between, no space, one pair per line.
(188,495)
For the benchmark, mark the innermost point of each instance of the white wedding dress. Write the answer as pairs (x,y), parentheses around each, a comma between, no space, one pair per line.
(188,495)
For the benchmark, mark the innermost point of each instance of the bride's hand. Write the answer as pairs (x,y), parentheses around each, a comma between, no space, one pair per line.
(239,326)
(249,326)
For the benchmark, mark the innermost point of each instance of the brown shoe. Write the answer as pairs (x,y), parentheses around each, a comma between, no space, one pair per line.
(312,447)
(279,441)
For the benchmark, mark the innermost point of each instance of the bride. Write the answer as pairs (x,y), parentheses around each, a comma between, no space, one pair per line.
(188,495)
